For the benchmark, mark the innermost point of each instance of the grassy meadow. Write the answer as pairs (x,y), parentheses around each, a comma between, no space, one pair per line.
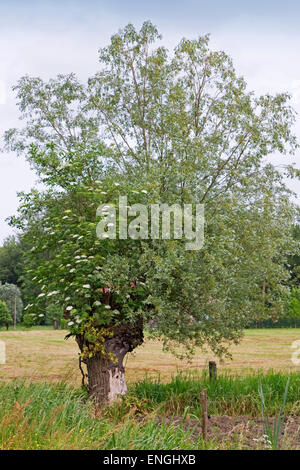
(44,354)
(43,405)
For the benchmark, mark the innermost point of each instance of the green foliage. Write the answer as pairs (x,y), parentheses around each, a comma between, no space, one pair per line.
(175,128)
(294,260)
(5,317)
(274,433)
(11,261)
(54,311)
(28,320)
(11,295)
(49,416)
(294,306)
(229,395)
(57,416)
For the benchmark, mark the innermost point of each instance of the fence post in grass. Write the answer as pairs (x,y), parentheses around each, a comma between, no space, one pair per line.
(212,370)
(204,414)
(55,323)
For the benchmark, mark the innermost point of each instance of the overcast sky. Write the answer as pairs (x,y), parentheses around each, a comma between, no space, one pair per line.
(44,38)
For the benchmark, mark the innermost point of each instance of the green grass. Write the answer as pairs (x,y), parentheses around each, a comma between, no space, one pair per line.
(57,416)
(21,327)
(228,395)
(44,416)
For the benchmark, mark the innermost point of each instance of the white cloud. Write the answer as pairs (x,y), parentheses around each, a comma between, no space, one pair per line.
(2,92)
(295,87)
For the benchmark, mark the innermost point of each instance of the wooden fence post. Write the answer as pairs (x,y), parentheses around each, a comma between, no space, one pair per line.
(204,414)
(212,370)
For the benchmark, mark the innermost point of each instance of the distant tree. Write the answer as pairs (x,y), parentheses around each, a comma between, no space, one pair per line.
(28,321)
(5,317)
(294,306)
(12,266)
(11,261)
(10,294)
(54,311)
(294,260)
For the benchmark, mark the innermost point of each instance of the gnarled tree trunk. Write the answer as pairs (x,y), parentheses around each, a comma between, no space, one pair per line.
(106,376)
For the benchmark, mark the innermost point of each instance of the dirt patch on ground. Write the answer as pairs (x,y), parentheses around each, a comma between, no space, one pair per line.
(242,432)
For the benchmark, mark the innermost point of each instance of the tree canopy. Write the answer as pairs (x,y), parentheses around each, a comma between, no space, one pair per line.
(5,317)
(11,261)
(160,127)
(11,295)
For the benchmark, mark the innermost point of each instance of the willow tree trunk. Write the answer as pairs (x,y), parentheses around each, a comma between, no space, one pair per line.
(106,372)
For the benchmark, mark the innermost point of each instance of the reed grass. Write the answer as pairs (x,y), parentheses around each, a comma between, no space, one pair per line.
(57,416)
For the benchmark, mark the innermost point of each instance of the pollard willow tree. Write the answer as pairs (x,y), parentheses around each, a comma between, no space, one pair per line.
(155,127)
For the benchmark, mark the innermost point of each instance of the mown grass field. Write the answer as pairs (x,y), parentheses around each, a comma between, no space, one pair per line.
(43,406)
(43,354)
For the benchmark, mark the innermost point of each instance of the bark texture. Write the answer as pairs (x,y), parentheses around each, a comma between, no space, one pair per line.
(106,377)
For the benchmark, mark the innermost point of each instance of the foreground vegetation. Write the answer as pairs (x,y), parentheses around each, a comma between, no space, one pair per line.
(42,405)
(153,415)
